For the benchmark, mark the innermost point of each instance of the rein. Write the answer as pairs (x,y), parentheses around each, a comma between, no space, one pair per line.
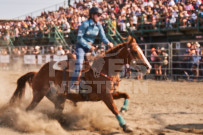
(105,75)
(115,83)
(129,53)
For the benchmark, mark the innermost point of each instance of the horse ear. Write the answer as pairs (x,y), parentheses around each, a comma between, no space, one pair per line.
(134,40)
(131,39)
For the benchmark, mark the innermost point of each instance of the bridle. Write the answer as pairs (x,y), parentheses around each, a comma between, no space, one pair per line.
(116,82)
(129,53)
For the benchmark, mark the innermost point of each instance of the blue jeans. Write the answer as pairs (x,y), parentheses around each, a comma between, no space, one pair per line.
(80,55)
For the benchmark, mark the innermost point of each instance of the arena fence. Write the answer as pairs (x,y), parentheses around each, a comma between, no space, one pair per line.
(175,67)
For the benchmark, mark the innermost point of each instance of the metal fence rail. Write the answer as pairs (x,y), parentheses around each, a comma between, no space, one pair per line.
(176,68)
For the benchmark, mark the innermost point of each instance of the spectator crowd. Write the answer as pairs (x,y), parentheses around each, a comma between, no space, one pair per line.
(123,13)
(187,61)
(192,59)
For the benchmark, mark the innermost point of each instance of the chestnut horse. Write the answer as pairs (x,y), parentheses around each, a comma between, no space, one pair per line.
(100,86)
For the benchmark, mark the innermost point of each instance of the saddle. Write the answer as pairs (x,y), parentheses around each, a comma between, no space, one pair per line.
(69,65)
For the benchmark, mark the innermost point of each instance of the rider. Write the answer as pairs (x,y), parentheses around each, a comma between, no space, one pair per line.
(85,39)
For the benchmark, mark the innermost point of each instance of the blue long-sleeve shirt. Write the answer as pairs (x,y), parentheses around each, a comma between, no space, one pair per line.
(88,31)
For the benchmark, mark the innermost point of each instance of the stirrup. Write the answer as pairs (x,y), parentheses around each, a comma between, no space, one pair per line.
(74,89)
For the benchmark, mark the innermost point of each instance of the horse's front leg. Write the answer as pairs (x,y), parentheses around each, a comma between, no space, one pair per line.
(108,100)
(118,95)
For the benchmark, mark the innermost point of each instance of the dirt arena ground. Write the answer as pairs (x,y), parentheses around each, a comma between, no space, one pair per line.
(164,108)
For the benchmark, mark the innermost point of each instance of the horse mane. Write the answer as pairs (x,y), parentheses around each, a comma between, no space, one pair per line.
(115,48)
(110,51)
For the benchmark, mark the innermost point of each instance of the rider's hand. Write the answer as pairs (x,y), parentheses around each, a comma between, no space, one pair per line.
(110,44)
(92,48)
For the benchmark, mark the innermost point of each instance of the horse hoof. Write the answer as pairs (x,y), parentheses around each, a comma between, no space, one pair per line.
(127,129)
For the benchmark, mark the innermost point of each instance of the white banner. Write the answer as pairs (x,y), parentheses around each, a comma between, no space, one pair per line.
(60,58)
(48,58)
(29,59)
(4,58)
(42,59)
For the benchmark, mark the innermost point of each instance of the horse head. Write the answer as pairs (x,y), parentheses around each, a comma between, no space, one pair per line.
(135,56)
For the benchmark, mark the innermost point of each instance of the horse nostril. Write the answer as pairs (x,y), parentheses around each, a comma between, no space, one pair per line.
(149,67)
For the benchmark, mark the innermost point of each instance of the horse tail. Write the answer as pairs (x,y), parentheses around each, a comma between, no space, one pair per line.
(20,90)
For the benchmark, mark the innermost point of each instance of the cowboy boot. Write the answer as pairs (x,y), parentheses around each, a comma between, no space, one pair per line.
(74,87)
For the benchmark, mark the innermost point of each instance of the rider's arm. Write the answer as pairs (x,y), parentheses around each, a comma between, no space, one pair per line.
(102,35)
(80,38)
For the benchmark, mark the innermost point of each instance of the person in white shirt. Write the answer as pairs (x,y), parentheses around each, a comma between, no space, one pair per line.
(193,19)
(134,18)
(198,2)
(60,51)
(172,21)
(171,3)
(150,3)
(123,26)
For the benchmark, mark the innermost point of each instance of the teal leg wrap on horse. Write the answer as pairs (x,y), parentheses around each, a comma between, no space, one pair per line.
(120,120)
(125,105)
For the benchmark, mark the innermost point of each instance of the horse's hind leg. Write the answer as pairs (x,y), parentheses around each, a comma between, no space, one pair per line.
(118,95)
(37,97)
(59,105)
(58,100)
